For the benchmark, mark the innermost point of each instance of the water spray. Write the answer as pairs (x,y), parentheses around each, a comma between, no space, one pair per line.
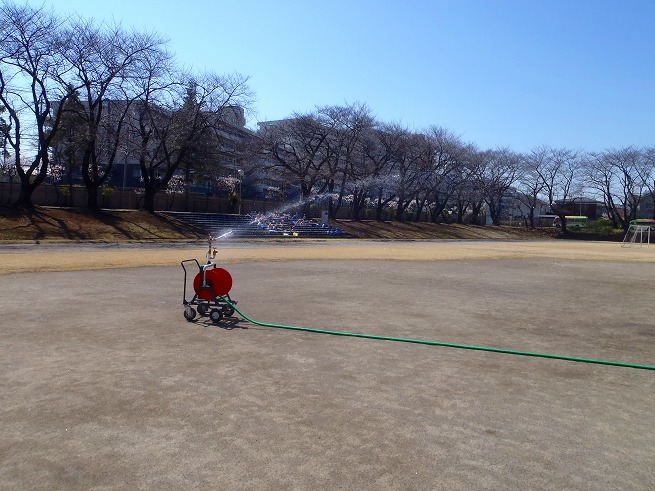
(211,252)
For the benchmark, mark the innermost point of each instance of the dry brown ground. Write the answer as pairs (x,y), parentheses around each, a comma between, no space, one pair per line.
(107,387)
(34,257)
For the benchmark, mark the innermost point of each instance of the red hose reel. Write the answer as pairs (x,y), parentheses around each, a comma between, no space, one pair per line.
(218,283)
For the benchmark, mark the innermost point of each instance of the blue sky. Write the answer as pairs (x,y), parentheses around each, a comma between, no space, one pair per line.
(577,74)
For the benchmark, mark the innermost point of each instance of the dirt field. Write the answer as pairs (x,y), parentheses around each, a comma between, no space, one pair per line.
(66,257)
(106,386)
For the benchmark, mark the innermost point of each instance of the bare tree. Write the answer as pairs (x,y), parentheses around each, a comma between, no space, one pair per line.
(559,171)
(627,162)
(465,190)
(67,145)
(30,68)
(529,190)
(300,149)
(618,175)
(497,174)
(468,198)
(349,124)
(408,159)
(647,174)
(174,122)
(106,62)
(380,147)
(448,160)
(426,170)
(7,167)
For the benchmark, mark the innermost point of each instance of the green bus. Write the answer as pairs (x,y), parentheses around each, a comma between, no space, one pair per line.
(644,222)
(572,221)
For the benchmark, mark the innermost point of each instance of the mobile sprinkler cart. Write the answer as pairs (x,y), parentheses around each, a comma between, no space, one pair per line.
(211,287)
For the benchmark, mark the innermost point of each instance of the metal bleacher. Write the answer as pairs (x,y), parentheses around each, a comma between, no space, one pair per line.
(216,224)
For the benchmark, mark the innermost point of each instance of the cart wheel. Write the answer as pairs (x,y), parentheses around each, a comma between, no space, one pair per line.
(215,315)
(203,309)
(189,313)
(228,311)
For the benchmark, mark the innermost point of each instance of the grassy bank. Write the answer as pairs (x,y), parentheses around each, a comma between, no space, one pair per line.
(63,224)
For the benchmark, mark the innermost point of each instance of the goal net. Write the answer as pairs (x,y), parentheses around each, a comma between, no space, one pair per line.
(637,236)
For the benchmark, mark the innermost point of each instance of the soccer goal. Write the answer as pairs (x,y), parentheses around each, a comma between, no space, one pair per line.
(637,236)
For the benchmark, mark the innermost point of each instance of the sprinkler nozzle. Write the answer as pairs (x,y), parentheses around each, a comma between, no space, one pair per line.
(210,255)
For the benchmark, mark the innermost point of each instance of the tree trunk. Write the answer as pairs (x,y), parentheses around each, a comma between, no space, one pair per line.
(25,197)
(475,214)
(378,211)
(334,209)
(530,221)
(401,209)
(11,189)
(461,210)
(92,197)
(187,187)
(68,199)
(306,205)
(332,212)
(359,201)
(562,221)
(420,204)
(437,210)
(149,200)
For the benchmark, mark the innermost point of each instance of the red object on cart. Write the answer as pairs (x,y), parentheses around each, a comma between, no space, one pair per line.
(218,280)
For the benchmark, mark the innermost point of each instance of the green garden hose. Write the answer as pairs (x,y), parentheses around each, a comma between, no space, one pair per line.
(438,343)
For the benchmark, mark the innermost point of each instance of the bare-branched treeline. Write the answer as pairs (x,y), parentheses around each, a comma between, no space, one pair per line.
(344,153)
(93,91)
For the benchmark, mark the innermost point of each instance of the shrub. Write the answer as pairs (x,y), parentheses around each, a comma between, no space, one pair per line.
(603,226)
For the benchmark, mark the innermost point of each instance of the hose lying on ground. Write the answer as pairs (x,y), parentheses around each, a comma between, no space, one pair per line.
(438,343)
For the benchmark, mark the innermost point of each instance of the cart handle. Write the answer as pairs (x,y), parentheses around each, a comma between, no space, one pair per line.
(184,302)
(203,269)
